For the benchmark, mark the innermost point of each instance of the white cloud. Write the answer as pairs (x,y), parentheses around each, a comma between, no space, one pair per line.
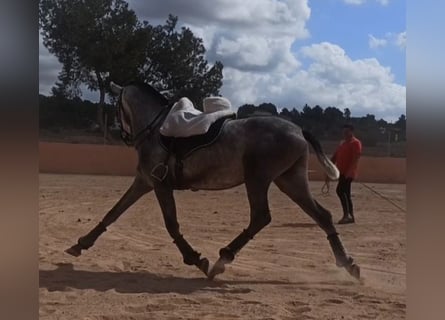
(253,39)
(245,34)
(250,35)
(376,42)
(364,84)
(254,53)
(401,40)
(396,39)
(355,2)
(331,79)
(258,16)
(359,2)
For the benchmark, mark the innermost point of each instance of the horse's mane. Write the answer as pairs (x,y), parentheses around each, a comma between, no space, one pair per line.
(151,91)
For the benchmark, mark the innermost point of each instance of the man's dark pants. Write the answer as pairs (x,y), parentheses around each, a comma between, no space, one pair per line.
(344,193)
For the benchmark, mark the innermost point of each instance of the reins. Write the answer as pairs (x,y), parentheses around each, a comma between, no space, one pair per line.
(147,131)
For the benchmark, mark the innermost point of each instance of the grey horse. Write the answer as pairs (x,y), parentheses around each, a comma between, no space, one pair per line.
(255,151)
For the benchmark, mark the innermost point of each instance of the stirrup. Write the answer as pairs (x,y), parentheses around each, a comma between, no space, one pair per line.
(160,172)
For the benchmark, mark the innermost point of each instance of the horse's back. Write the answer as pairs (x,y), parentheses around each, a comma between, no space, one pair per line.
(267,132)
(264,144)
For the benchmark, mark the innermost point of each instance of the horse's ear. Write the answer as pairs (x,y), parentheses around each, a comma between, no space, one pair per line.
(116,89)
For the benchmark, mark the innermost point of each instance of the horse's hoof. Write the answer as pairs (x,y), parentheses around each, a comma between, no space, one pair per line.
(354,270)
(75,250)
(344,262)
(204,265)
(218,268)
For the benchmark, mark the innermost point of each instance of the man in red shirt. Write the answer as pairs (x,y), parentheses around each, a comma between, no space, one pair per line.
(346,159)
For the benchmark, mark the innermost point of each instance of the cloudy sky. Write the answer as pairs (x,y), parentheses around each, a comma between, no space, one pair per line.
(343,53)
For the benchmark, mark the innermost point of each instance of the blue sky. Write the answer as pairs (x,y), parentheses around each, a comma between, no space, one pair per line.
(350,26)
(343,53)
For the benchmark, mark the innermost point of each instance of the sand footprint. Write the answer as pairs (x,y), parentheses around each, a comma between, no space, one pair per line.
(298,308)
(335,301)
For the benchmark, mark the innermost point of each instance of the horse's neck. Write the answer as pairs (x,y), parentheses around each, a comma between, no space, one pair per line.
(144,117)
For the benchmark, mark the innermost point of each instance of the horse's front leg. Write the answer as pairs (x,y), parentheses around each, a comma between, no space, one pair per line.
(164,194)
(136,190)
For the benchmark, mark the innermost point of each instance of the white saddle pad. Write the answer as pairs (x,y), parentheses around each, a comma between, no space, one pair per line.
(184,120)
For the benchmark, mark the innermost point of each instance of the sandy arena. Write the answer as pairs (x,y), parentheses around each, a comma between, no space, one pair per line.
(134,271)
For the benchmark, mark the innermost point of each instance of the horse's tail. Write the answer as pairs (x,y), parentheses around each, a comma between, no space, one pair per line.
(330,168)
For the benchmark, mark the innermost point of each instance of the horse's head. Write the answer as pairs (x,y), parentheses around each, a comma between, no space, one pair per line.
(141,109)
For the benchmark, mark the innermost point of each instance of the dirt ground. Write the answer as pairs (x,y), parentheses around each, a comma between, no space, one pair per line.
(134,271)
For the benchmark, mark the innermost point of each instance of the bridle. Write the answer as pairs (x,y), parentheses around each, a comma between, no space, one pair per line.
(137,139)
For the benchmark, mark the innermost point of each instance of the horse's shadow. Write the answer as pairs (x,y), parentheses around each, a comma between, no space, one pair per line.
(65,277)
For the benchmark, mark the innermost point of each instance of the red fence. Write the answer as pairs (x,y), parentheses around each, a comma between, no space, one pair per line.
(118,160)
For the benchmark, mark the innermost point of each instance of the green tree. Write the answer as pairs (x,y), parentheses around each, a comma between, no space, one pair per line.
(315,113)
(285,113)
(295,115)
(400,125)
(401,122)
(246,110)
(333,120)
(347,113)
(94,40)
(175,63)
(268,107)
(306,110)
(332,114)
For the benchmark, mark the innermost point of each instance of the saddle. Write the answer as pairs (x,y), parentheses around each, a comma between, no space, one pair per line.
(187,130)
(182,147)
(184,120)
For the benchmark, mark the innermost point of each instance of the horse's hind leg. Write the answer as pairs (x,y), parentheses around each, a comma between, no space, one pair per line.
(259,218)
(294,183)
(136,190)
